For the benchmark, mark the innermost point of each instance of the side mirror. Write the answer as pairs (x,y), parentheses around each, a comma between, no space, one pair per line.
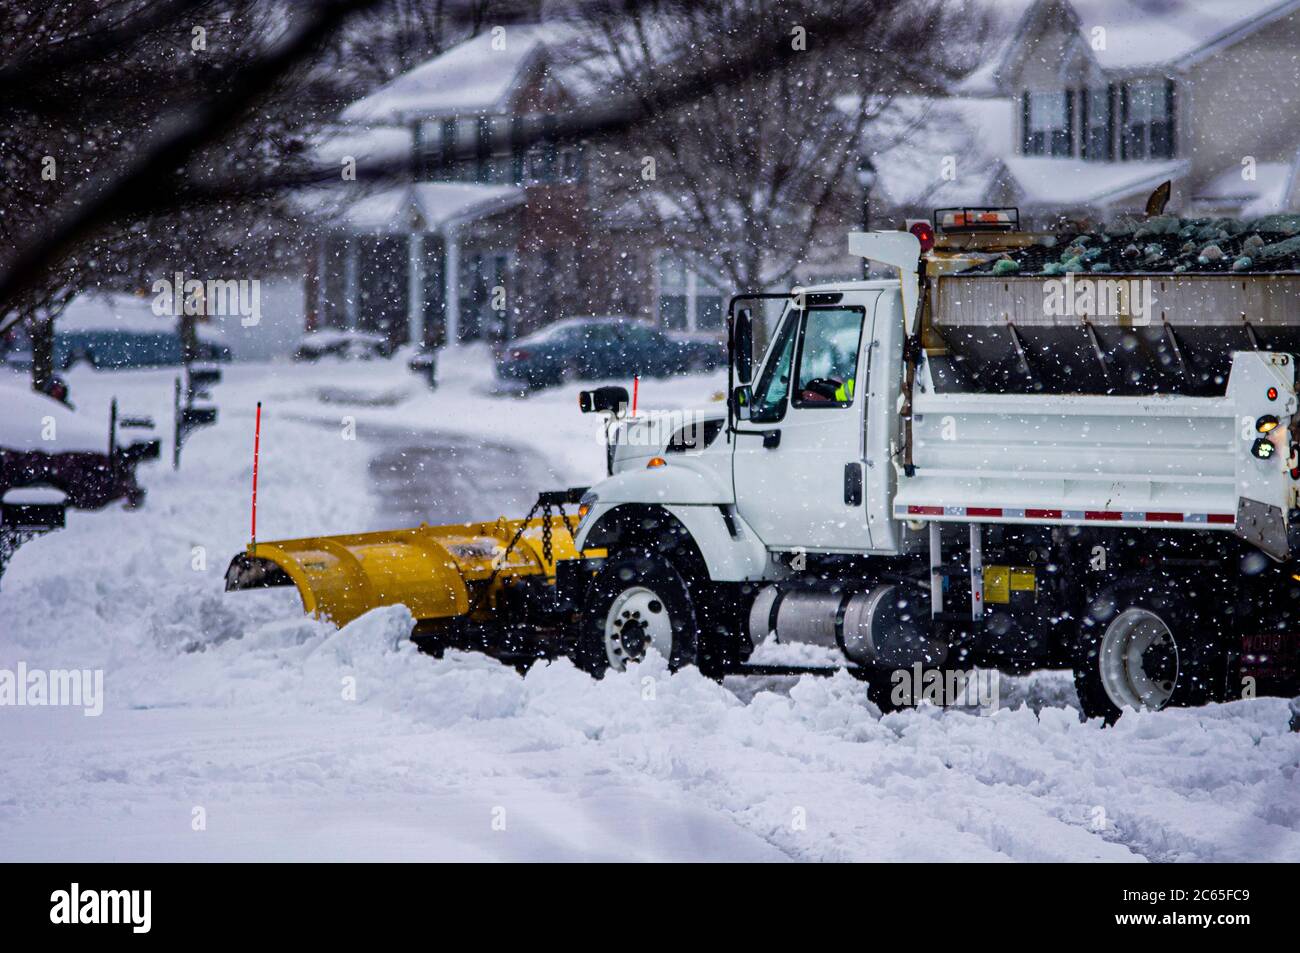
(603,400)
(742,345)
(741,399)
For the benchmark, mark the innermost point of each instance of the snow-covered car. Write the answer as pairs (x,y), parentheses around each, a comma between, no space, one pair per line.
(346,345)
(113,331)
(45,442)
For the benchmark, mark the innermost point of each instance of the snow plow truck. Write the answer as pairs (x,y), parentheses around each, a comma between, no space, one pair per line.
(1015,451)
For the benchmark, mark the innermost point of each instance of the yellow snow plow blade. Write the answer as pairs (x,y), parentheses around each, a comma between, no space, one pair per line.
(438,572)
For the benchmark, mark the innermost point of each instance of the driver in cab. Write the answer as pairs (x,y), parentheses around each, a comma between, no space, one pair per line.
(831,378)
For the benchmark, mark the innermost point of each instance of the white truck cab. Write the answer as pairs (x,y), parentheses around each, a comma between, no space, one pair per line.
(852,500)
(815,430)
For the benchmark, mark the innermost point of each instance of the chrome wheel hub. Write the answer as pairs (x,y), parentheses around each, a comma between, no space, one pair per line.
(636,620)
(1138,660)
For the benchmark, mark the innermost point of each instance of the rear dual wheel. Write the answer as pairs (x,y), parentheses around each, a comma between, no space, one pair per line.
(1150,643)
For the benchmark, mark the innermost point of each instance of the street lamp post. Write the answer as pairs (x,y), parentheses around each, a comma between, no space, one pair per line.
(866,179)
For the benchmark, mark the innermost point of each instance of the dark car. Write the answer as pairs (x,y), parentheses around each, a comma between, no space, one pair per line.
(601,348)
(345,345)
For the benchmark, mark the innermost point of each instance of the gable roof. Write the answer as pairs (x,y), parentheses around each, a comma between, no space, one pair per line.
(1045,182)
(1140,34)
(1267,193)
(427,206)
(472,78)
(1147,33)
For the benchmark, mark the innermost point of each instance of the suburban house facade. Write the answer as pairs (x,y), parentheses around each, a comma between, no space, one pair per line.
(1079,111)
(1086,106)
(493,248)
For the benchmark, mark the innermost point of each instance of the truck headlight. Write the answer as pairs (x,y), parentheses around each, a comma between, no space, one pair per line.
(585,506)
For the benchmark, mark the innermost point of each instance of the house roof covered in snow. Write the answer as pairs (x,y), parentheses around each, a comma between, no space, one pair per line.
(423,206)
(1139,34)
(368,145)
(1039,180)
(1145,33)
(115,311)
(1263,191)
(476,77)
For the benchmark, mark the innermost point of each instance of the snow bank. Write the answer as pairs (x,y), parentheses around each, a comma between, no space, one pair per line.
(813,771)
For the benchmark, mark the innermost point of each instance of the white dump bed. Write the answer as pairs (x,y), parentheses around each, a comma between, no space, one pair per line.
(1153,461)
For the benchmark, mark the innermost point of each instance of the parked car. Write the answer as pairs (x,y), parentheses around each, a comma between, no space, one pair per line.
(602,347)
(109,331)
(705,351)
(345,345)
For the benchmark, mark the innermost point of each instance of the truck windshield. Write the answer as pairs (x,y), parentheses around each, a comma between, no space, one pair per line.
(773,388)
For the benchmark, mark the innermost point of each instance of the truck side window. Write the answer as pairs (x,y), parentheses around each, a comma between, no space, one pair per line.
(773,386)
(828,357)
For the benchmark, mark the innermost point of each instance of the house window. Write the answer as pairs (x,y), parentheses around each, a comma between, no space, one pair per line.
(1097,124)
(688,301)
(571,163)
(494,164)
(466,139)
(1147,120)
(1047,121)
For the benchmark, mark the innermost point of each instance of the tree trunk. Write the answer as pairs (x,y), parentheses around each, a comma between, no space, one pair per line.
(40,330)
(189,338)
(752,264)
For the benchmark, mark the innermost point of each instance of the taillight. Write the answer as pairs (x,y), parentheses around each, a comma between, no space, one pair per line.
(924,233)
(518,355)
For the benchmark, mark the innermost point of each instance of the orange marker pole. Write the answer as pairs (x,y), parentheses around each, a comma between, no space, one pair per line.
(257,446)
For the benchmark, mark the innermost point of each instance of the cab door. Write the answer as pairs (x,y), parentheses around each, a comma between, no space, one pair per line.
(798,461)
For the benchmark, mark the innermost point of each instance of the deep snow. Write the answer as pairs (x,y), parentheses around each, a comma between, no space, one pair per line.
(232,708)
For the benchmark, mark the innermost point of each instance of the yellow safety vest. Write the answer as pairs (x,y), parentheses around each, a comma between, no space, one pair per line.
(845,391)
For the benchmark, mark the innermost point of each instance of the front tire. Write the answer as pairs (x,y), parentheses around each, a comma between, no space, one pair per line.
(1150,643)
(636,601)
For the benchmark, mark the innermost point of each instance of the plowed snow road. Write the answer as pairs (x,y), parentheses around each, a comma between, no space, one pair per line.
(447,478)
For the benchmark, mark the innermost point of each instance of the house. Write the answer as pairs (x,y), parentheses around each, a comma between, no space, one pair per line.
(493,248)
(467,250)
(1086,106)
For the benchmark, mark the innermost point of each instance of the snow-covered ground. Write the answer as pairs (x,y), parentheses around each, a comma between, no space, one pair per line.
(234,728)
